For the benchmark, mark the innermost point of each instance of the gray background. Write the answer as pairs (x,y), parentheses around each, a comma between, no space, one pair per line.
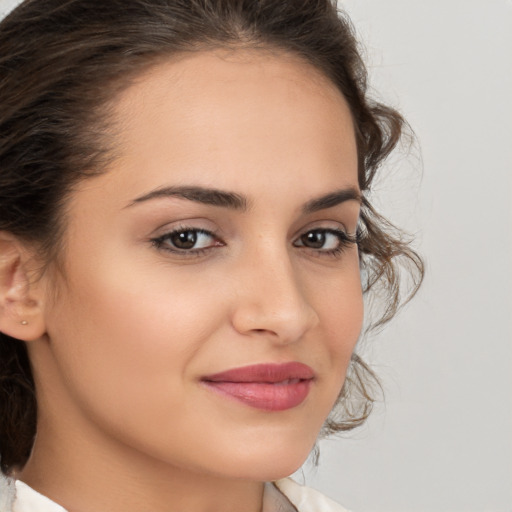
(442,442)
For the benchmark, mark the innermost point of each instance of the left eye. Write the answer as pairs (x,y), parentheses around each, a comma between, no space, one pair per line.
(186,240)
(324,239)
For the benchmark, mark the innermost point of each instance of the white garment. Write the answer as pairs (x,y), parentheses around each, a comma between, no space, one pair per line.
(306,499)
(19,497)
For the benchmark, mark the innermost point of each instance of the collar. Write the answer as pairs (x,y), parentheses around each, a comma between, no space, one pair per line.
(16,496)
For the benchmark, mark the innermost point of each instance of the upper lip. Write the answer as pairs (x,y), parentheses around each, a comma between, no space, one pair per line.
(264,373)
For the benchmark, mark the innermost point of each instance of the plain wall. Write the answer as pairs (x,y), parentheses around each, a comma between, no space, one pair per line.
(443,440)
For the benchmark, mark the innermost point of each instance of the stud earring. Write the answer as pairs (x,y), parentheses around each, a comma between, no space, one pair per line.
(24,322)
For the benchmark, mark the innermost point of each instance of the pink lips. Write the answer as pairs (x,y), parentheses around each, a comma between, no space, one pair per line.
(271,387)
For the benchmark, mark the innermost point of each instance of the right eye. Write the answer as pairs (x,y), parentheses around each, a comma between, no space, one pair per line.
(187,240)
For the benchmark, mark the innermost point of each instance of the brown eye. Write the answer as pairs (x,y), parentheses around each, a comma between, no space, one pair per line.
(184,239)
(187,241)
(326,241)
(313,239)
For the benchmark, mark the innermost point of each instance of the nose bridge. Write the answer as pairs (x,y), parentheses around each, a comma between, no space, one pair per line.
(272,298)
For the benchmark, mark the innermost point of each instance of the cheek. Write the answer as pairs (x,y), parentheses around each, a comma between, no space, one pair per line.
(339,305)
(123,341)
(340,309)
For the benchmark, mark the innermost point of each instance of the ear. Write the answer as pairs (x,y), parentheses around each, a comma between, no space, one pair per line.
(21,314)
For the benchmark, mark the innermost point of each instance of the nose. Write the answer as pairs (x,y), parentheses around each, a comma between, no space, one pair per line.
(271,300)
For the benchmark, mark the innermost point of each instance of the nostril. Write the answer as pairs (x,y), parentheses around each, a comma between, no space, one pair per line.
(263,331)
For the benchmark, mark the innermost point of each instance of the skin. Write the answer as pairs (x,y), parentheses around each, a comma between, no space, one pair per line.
(129,328)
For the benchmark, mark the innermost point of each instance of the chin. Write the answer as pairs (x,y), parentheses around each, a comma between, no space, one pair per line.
(268,454)
(270,465)
(268,471)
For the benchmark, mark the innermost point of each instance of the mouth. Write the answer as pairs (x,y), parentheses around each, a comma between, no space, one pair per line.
(269,387)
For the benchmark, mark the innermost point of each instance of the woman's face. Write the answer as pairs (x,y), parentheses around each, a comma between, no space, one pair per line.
(211,297)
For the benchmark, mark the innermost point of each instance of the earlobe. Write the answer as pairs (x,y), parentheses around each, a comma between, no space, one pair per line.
(21,314)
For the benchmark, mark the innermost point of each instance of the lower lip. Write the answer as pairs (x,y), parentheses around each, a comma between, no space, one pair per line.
(278,396)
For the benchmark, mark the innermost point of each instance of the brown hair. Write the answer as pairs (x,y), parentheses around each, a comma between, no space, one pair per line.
(62,63)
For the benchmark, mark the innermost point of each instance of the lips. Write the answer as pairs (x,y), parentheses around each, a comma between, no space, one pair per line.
(270,387)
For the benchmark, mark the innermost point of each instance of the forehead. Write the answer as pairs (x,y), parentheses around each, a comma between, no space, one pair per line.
(237,69)
(212,110)
(268,128)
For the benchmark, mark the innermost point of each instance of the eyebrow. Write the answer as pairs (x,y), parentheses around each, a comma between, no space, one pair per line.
(332,199)
(234,201)
(209,196)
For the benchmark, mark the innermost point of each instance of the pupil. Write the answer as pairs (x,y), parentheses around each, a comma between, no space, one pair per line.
(184,239)
(314,239)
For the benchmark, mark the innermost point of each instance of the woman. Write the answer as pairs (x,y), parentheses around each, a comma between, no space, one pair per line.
(184,220)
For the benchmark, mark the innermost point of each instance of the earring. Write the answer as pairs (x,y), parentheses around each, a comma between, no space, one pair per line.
(24,322)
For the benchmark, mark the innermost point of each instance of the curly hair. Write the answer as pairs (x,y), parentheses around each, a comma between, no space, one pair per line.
(64,62)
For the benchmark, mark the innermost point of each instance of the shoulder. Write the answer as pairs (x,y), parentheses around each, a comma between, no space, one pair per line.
(306,499)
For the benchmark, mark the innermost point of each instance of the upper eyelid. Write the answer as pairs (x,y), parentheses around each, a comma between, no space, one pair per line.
(181,229)
(323,225)
(333,231)
(201,225)
(167,229)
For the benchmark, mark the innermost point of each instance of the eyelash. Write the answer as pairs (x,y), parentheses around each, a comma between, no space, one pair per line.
(345,240)
(163,242)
